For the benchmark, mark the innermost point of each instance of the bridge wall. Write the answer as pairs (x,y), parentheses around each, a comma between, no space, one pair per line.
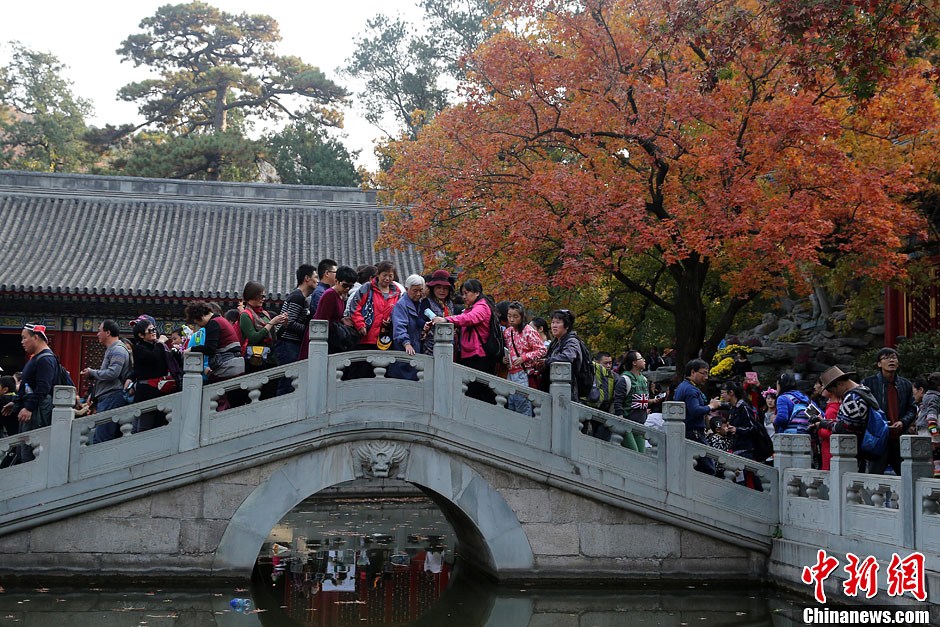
(515,527)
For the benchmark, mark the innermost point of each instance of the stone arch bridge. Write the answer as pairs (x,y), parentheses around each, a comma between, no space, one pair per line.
(529,497)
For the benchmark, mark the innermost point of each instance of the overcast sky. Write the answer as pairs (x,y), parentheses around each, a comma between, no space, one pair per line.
(85,36)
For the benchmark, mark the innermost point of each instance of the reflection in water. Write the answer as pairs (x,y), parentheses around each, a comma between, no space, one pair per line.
(383,554)
(364,553)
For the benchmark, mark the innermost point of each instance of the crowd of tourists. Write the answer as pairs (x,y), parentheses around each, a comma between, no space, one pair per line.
(368,309)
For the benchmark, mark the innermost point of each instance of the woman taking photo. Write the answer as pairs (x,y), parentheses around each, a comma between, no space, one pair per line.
(525,348)
(150,372)
(257,329)
(474,325)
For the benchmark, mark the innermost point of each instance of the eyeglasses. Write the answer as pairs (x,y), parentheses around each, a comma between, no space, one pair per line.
(151,330)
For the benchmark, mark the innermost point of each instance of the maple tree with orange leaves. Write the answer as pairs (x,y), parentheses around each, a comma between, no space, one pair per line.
(745,140)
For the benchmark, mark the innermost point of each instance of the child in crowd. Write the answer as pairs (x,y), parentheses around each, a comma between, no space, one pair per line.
(721,437)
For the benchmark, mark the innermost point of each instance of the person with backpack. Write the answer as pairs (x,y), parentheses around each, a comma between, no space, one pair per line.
(567,347)
(33,405)
(631,397)
(108,390)
(481,339)
(859,415)
(604,383)
(791,406)
(750,437)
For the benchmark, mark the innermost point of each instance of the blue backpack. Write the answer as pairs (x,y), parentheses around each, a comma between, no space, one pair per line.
(799,421)
(875,439)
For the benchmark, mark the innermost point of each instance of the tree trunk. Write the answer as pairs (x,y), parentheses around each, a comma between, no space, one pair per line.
(689,311)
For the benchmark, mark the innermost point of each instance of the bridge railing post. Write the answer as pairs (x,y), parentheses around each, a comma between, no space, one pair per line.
(564,424)
(916,463)
(792,450)
(60,441)
(677,462)
(844,449)
(318,377)
(191,411)
(444,370)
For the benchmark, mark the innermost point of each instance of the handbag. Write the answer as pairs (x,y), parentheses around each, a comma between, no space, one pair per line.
(165,384)
(257,356)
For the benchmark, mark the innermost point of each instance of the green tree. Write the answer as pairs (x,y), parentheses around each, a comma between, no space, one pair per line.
(405,70)
(41,121)
(197,156)
(213,64)
(304,154)
(401,73)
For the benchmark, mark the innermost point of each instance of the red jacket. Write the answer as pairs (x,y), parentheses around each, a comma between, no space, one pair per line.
(382,305)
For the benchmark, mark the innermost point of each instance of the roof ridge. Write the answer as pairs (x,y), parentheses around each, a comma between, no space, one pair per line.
(16,190)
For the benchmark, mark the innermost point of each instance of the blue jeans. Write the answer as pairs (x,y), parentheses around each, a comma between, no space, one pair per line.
(108,430)
(287,353)
(516,402)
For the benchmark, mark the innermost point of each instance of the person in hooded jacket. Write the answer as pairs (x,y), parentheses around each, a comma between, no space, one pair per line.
(789,401)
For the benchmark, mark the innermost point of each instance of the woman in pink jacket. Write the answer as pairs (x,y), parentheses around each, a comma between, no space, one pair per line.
(474,324)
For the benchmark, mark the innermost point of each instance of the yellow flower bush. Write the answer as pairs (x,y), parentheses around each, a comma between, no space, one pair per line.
(722,368)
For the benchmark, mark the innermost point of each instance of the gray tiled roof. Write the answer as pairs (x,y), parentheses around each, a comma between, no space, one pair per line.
(73,235)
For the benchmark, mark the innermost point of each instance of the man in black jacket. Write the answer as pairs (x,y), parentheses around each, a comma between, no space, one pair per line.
(291,333)
(895,396)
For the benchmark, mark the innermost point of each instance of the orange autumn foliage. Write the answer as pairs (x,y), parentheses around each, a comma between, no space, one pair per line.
(594,132)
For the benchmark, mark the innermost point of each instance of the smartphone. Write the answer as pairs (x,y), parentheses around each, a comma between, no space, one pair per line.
(812,411)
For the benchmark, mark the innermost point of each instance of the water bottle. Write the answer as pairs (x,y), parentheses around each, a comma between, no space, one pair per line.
(241,606)
(429,314)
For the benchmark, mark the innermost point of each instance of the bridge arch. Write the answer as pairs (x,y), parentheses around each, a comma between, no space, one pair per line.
(481,518)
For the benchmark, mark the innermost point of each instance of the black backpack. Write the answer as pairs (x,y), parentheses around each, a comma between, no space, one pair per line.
(494,347)
(584,373)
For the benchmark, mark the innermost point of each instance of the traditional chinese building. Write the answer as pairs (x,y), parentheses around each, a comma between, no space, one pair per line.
(907,314)
(78,249)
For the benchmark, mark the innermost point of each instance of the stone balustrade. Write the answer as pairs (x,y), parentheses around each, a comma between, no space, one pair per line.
(432,406)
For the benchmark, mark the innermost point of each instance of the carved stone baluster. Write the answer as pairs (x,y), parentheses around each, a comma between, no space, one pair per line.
(916,464)
(795,486)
